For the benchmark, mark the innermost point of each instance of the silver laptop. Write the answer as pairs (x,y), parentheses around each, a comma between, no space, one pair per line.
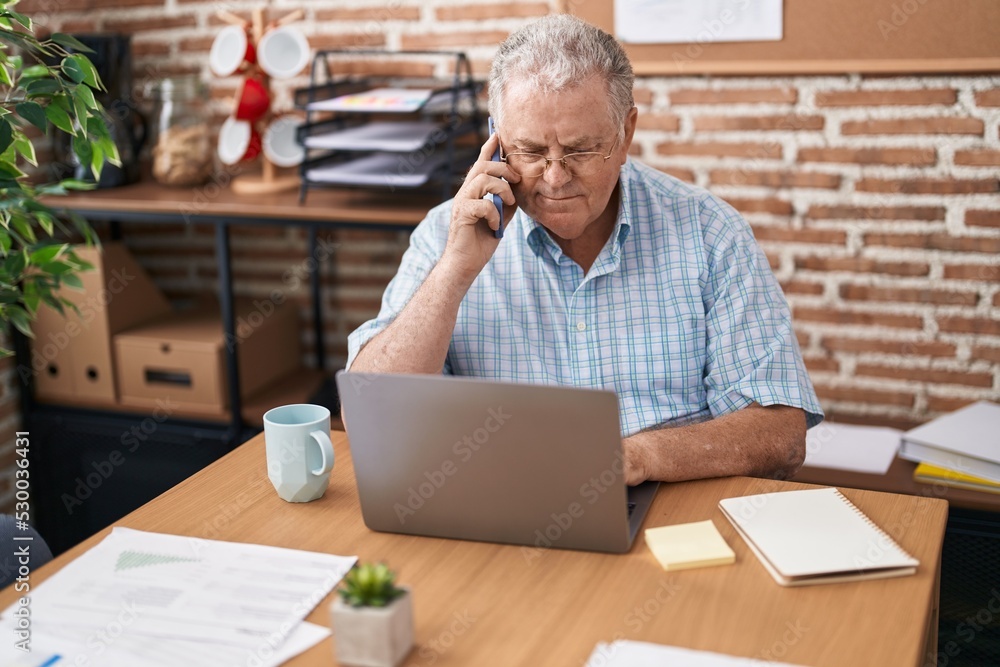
(472,459)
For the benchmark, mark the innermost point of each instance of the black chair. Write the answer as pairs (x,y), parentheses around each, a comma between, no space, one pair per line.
(22,555)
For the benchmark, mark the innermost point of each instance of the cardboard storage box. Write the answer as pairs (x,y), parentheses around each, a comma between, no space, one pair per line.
(183,359)
(72,355)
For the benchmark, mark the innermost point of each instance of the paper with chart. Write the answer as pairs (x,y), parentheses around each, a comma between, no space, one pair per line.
(54,645)
(697,21)
(164,588)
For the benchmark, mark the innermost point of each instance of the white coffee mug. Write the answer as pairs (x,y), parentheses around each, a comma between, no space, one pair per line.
(238,141)
(230,49)
(282,52)
(299,451)
(279,142)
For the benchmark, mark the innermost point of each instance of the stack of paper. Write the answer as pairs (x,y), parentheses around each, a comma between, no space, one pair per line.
(380,169)
(625,653)
(399,100)
(965,441)
(376,100)
(377,136)
(932,474)
(139,599)
(444,100)
(868,449)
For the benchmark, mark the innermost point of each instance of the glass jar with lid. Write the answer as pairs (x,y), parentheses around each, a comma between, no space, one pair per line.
(181,137)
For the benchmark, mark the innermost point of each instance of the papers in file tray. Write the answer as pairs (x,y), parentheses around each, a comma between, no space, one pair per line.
(377,136)
(381,169)
(400,100)
(441,102)
(394,100)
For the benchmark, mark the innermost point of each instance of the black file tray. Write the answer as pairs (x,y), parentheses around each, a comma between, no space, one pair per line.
(385,144)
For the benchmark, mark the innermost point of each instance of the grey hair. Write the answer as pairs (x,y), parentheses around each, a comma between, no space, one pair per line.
(558,52)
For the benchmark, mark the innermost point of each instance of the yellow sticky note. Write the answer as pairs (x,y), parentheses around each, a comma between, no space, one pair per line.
(688,545)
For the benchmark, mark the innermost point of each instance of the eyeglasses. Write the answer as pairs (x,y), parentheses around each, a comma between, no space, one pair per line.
(531,165)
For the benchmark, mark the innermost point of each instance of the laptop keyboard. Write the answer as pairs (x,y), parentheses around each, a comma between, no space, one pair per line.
(631,508)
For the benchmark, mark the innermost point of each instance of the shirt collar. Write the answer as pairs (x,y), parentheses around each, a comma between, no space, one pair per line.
(538,239)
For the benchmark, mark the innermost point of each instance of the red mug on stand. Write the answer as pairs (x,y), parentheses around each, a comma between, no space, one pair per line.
(253,100)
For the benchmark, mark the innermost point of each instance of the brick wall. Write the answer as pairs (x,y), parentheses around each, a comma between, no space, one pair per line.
(877,202)
(876,198)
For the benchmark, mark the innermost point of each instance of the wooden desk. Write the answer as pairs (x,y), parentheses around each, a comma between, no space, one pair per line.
(486,604)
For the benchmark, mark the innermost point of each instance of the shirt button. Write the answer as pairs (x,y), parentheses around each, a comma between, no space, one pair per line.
(581,326)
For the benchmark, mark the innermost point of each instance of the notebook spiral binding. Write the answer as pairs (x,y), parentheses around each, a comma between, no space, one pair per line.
(857,510)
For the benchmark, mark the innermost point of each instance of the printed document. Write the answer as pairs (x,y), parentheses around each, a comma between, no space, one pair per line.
(136,590)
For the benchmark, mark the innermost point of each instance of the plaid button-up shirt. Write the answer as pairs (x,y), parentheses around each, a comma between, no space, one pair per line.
(680,313)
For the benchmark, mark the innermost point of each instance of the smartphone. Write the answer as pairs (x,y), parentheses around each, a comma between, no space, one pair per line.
(497,201)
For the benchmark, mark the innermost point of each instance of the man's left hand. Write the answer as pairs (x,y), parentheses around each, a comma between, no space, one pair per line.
(636,468)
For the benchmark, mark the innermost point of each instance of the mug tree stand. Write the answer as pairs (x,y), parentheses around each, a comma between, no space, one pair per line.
(269,180)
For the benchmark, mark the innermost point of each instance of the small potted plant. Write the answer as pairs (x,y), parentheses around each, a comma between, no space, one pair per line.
(372,618)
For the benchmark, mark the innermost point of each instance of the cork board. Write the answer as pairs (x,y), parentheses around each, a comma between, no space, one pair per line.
(846,36)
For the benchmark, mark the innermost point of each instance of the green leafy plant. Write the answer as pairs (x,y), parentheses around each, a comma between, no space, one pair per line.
(370,585)
(34,93)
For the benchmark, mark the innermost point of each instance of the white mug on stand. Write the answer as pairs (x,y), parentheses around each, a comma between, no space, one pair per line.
(279,143)
(283,52)
(299,451)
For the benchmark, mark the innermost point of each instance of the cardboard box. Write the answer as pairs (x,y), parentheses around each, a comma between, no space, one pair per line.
(183,359)
(72,357)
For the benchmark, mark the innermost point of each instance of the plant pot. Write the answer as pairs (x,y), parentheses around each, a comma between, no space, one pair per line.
(373,636)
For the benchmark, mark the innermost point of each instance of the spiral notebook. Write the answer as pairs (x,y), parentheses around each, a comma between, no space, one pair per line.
(815,536)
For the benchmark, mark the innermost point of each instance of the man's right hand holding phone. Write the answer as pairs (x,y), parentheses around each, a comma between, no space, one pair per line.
(474,220)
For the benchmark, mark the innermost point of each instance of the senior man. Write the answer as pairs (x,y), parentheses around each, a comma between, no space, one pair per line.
(610,275)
